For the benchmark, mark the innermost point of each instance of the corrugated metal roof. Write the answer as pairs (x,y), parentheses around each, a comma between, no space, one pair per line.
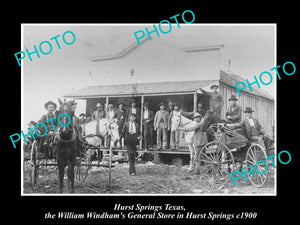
(232,79)
(161,88)
(140,89)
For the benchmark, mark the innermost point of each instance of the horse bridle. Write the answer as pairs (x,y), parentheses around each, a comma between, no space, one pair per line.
(109,130)
(68,128)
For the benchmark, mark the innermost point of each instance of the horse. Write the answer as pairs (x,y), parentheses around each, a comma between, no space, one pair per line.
(94,131)
(183,122)
(67,144)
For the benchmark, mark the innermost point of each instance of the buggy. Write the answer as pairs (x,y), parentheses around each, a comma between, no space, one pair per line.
(218,158)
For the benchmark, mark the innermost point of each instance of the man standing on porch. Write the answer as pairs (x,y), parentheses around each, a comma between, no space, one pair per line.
(169,109)
(148,118)
(174,139)
(99,113)
(121,115)
(110,114)
(216,100)
(161,127)
(135,110)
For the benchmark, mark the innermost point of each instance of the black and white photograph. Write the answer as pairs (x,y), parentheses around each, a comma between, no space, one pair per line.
(148,109)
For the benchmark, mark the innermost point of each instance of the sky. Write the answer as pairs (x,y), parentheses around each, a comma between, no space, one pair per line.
(250,49)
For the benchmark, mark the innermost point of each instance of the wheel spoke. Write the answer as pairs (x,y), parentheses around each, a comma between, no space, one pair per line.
(251,162)
(202,160)
(206,156)
(251,157)
(220,171)
(206,165)
(203,172)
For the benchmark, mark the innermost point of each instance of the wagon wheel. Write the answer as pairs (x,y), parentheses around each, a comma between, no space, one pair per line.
(254,154)
(82,167)
(216,163)
(34,167)
(47,167)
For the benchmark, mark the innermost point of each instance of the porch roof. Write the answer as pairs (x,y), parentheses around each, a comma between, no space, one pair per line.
(152,88)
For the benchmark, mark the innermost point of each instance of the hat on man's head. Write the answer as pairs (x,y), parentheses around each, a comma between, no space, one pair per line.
(248,110)
(171,103)
(98,105)
(161,104)
(81,114)
(197,115)
(49,103)
(233,98)
(121,103)
(132,114)
(214,85)
(132,100)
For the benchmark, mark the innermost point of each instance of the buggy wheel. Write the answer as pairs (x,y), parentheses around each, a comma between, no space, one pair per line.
(216,163)
(82,167)
(34,167)
(254,154)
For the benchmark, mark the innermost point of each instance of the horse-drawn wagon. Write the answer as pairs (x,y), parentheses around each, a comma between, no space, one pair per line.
(61,153)
(218,158)
(226,146)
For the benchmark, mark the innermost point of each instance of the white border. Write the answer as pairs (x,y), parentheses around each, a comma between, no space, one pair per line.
(139,24)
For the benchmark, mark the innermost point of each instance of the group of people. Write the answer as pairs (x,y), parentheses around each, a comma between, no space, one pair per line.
(129,121)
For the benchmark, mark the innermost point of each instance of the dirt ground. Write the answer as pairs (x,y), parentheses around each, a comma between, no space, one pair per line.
(150,179)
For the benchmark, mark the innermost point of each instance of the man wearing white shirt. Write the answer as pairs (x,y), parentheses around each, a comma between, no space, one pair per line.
(135,110)
(131,134)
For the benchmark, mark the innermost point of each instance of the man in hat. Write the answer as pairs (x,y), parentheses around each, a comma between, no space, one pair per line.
(234,113)
(216,101)
(82,118)
(148,117)
(254,131)
(174,139)
(161,127)
(121,116)
(169,109)
(47,139)
(110,113)
(200,138)
(131,134)
(134,109)
(200,109)
(99,113)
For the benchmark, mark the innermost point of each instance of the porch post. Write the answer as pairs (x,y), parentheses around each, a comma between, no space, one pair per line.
(106,103)
(106,141)
(195,101)
(141,122)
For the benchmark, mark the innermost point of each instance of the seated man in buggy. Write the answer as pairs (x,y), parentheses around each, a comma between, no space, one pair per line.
(46,140)
(254,131)
(234,112)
